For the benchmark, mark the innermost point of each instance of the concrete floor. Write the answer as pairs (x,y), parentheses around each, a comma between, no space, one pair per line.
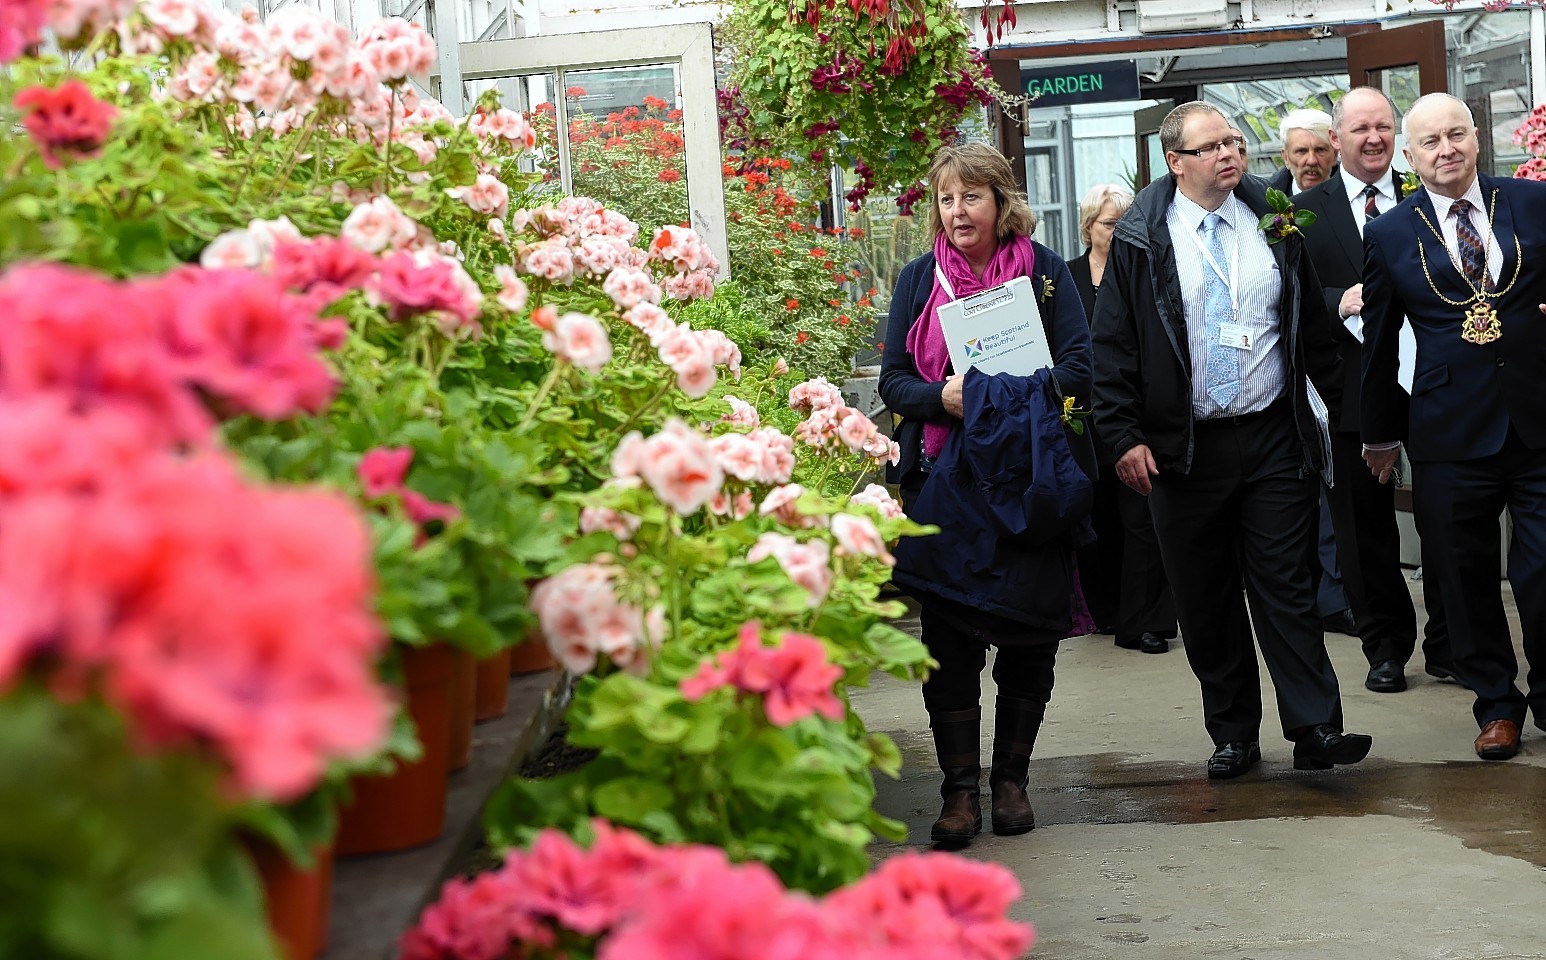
(1421,852)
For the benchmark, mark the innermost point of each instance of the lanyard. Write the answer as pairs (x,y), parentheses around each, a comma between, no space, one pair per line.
(1212,264)
(944,284)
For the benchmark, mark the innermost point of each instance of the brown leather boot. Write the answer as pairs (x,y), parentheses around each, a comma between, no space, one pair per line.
(957,736)
(1015,725)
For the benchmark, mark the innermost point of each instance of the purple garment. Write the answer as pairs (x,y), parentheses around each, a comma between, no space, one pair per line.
(926,342)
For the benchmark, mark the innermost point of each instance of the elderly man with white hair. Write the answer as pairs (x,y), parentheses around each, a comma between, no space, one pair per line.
(1307,152)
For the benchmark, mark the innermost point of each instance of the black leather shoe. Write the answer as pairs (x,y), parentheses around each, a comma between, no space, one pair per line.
(1340,622)
(1147,642)
(1386,677)
(1232,758)
(1324,745)
(1443,672)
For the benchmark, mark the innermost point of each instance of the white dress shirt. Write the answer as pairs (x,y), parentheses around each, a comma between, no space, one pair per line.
(1478,215)
(1383,201)
(1259,288)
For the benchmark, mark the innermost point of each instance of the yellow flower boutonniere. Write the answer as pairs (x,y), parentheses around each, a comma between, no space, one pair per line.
(1046,289)
(1073,417)
(1408,184)
(1284,221)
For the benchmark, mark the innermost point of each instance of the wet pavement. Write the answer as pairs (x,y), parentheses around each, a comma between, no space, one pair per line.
(1422,851)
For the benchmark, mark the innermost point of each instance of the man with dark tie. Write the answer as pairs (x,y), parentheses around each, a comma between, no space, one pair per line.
(1464,260)
(1204,334)
(1363,511)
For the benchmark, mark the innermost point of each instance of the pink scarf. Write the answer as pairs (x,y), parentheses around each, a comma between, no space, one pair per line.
(926,342)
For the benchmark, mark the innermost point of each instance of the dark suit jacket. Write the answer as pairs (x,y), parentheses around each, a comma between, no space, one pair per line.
(1336,250)
(1143,367)
(1080,268)
(1282,180)
(1464,395)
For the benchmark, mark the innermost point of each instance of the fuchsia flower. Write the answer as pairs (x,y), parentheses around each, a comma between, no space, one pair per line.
(66,122)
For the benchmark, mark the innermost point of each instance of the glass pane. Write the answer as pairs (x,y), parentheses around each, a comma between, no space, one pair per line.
(625,142)
(1490,61)
(1041,175)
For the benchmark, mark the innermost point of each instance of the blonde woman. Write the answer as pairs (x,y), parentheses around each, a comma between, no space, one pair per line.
(1120,573)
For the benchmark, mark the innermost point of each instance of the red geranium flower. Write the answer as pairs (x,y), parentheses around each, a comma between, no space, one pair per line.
(66,121)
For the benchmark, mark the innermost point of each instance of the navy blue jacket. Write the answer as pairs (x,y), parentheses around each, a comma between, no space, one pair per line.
(1011,498)
(1465,396)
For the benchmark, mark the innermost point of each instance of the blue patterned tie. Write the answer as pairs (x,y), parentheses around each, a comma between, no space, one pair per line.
(1222,380)
(1473,257)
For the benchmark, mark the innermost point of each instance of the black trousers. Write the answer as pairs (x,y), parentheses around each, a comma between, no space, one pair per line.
(1363,514)
(1458,505)
(1122,573)
(1240,525)
(1023,668)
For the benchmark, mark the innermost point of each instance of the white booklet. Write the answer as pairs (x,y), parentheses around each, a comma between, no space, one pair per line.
(997,331)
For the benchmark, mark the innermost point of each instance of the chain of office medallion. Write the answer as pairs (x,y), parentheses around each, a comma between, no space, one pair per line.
(1478,295)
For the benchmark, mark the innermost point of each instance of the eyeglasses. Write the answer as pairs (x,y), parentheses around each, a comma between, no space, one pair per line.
(1214,149)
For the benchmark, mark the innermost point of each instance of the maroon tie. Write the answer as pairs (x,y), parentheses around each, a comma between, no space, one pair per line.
(1473,258)
(1370,208)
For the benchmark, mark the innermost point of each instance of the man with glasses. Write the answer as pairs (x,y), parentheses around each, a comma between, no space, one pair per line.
(1205,331)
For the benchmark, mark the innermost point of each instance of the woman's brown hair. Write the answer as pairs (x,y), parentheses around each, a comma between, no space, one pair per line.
(980,165)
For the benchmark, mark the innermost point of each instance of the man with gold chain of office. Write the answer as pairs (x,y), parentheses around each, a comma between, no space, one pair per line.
(1465,260)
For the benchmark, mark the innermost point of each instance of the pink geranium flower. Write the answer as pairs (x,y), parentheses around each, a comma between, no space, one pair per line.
(793,679)
(383,470)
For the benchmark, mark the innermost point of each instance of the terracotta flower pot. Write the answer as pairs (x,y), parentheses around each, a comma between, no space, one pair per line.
(408,807)
(531,655)
(297,900)
(464,703)
(493,686)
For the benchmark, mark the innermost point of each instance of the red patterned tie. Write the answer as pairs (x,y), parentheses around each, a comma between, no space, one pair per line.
(1473,258)
(1370,208)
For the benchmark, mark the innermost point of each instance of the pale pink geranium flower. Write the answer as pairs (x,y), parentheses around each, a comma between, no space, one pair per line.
(806,564)
(781,504)
(738,455)
(174,18)
(815,394)
(378,224)
(232,250)
(513,292)
(581,340)
(630,286)
(582,618)
(650,320)
(679,467)
(686,355)
(857,535)
(881,499)
(741,413)
(552,260)
(721,505)
(856,431)
(777,455)
(486,195)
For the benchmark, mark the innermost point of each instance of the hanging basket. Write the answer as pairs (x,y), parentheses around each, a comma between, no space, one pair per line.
(408,807)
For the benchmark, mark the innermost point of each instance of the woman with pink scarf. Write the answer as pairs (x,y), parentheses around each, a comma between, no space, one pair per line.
(981,228)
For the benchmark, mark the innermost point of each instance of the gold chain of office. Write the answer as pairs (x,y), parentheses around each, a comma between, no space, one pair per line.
(1481,324)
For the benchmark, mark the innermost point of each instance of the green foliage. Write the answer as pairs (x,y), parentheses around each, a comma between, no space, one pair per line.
(80,811)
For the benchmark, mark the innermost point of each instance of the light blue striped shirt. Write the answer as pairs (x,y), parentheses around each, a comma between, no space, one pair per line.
(1256,302)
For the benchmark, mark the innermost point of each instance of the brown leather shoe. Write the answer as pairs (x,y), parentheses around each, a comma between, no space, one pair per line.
(1499,740)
